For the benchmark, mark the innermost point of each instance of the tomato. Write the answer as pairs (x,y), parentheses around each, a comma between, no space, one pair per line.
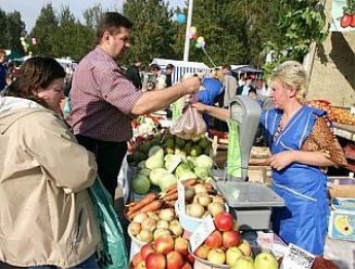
(346,20)
(352,24)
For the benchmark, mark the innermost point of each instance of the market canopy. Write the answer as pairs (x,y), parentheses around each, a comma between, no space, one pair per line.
(245,69)
(14,54)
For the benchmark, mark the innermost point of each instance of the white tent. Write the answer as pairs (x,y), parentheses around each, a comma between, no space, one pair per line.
(181,67)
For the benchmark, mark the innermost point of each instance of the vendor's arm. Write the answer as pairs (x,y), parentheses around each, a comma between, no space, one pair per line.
(216,112)
(154,100)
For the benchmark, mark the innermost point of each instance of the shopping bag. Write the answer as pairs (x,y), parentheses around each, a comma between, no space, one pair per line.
(189,125)
(113,254)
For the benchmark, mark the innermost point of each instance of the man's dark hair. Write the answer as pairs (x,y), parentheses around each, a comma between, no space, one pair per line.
(154,67)
(112,22)
(227,66)
(252,89)
(170,66)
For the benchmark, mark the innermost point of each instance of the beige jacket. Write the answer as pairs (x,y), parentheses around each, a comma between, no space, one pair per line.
(46,215)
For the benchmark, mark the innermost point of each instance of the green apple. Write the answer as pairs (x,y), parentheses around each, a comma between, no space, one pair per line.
(265,260)
(245,248)
(232,255)
(244,263)
(216,256)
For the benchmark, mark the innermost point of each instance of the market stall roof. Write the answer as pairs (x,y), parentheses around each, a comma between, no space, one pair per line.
(245,69)
(14,54)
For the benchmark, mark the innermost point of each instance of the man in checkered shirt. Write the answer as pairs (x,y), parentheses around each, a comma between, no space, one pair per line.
(104,100)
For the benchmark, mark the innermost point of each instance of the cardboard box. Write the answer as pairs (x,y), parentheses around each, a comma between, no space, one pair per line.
(342,225)
(343,187)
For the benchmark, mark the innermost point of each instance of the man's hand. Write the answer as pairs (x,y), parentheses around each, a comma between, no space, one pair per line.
(199,107)
(191,85)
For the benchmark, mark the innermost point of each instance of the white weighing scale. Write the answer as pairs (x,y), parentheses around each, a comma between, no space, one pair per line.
(251,202)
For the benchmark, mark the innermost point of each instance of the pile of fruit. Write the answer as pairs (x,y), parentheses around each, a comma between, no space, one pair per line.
(163,161)
(225,247)
(164,253)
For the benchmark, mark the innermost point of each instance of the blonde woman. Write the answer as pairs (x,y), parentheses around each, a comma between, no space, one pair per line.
(301,143)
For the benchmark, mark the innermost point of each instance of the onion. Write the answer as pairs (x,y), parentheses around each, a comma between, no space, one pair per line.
(134,228)
(195,210)
(199,188)
(160,232)
(140,217)
(162,224)
(145,236)
(176,228)
(149,224)
(205,199)
(153,216)
(216,208)
(167,214)
(218,198)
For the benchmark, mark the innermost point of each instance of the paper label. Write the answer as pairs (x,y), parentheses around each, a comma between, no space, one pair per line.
(203,231)
(297,258)
(181,197)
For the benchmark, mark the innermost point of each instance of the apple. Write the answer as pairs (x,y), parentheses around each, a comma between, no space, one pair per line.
(245,248)
(232,255)
(137,258)
(244,263)
(235,226)
(231,239)
(146,250)
(186,266)
(174,260)
(155,261)
(190,258)
(140,265)
(164,244)
(216,256)
(214,240)
(202,252)
(182,246)
(265,260)
(224,222)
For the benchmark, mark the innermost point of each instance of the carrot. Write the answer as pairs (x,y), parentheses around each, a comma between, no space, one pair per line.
(170,204)
(171,189)
(145,201)
(155,205)
(190,182)
(171,197)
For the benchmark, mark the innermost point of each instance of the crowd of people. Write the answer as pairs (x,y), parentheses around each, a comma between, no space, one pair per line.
(49,161)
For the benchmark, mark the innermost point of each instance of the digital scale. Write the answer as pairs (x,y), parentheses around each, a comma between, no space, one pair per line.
(251,202)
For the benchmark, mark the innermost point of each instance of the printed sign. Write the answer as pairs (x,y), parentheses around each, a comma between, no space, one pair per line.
(203,231)
(297,258)
(181,197)
(342,16)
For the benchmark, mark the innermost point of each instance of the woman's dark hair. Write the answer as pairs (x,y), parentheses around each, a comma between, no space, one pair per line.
(34,73)
(111,22)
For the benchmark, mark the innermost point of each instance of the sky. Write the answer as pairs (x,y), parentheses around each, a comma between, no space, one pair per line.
(30,9)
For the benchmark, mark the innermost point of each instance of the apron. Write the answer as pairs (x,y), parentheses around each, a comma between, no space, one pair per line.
(303,221)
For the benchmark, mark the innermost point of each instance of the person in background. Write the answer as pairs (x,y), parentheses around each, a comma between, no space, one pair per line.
(302,144)
(230,85)
(212,87)
(104,100)
(159,77)
(2,69)
(244,89)
(133,74)
(47,217)
(169,75)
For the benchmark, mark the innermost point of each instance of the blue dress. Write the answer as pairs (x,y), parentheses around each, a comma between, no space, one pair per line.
(303,221)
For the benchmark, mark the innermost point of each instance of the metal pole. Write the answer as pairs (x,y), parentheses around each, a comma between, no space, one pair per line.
(187,36)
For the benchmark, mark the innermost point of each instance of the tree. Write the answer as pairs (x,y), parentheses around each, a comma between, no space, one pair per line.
(3,30)
(92,16)
(14,31)
(45,26)
(154,34)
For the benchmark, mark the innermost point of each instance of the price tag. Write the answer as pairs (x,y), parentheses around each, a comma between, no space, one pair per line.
(202,232)
(297,258)
(181,198)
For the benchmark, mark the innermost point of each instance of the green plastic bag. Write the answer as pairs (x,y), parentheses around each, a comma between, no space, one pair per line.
(113,254)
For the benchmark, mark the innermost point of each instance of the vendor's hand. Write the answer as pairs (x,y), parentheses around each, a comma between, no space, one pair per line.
(192,85)
(199,107)
(281,160)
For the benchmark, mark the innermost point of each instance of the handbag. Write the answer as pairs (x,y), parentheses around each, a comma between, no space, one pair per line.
(113,254)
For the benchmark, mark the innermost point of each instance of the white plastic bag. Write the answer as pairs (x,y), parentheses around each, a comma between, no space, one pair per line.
(189,125)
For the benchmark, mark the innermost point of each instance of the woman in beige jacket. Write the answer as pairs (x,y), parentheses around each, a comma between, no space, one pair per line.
(46,215)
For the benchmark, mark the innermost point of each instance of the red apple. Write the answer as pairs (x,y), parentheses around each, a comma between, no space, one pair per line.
(245,248)
(182,246)
(216,256)
(224,222)
(231,239)
(155,261)
(190,258)
(146,250)
(140,265)
(137,258)
(164,244)
(214,240)
(174,260)
(235,226)
(202,252)
(186,266)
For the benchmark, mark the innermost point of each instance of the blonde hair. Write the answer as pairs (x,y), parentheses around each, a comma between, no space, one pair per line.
(2,52)
(293,75)
(217,74)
